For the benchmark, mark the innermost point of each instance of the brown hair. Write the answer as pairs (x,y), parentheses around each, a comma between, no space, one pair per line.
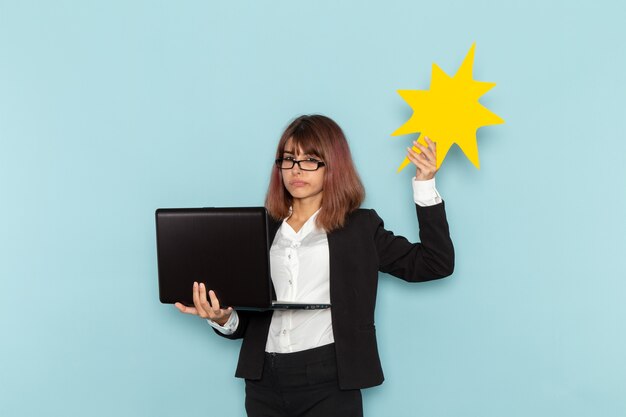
(343,191)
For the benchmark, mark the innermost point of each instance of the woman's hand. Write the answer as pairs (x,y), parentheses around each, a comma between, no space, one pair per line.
(426,161)
(205,309)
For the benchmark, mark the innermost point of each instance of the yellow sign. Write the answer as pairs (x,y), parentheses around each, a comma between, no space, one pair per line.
(449,112)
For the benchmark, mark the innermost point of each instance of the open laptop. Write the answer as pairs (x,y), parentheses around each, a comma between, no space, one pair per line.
(226,248)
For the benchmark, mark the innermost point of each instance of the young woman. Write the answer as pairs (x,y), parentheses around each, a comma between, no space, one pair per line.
(326,250)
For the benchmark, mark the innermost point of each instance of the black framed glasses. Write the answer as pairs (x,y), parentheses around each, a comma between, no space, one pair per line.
(309,164)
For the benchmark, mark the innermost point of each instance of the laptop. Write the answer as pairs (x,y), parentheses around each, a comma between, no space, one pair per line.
(226,248)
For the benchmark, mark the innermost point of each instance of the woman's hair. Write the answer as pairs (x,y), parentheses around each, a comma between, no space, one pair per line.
(343,191)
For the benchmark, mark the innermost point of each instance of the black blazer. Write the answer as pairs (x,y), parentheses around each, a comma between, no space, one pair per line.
(357,252)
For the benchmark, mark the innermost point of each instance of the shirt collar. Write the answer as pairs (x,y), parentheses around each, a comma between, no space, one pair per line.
(308,227)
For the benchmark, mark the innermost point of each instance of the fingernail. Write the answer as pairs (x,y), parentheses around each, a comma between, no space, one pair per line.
(195,284)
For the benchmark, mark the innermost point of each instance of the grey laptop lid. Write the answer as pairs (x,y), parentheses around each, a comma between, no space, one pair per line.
(226,248)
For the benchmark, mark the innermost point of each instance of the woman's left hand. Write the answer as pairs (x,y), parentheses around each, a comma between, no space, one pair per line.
(426,161)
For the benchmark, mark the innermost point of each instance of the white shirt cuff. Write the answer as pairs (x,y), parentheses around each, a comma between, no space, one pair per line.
(424,192)
(229,327)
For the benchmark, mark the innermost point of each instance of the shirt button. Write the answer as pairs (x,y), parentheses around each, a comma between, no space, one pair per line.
(284,331)
(290,282)
(289,256)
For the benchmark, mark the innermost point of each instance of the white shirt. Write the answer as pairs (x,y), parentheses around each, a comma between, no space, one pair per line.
(300,270)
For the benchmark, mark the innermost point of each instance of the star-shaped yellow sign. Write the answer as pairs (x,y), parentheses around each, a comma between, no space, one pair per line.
(449,112)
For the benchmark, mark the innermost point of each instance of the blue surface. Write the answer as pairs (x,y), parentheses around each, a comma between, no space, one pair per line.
(110,109)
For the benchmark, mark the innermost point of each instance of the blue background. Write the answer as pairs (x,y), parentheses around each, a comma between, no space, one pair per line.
(111,109)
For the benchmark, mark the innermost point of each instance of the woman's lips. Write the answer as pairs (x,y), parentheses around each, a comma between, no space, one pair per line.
(298,183)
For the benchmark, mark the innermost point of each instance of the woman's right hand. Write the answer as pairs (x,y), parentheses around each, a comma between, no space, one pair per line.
(205,309)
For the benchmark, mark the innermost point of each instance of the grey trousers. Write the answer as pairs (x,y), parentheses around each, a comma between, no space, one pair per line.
(301,384)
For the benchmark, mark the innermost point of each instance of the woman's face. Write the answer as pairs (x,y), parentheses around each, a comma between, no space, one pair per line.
(302,184)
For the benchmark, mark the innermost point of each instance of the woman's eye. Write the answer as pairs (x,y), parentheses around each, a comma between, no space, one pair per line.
(288,158)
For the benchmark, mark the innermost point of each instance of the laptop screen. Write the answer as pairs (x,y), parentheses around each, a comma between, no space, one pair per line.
(226,248)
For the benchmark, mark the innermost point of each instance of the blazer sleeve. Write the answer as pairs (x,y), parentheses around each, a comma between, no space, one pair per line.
(432,258)
(244,319)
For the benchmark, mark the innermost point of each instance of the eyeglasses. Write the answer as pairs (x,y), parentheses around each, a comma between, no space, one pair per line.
(308,164)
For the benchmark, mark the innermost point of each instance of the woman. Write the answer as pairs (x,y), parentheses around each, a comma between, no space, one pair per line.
(326,250)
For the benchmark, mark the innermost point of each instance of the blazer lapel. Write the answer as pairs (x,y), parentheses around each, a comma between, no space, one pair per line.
(272,229)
